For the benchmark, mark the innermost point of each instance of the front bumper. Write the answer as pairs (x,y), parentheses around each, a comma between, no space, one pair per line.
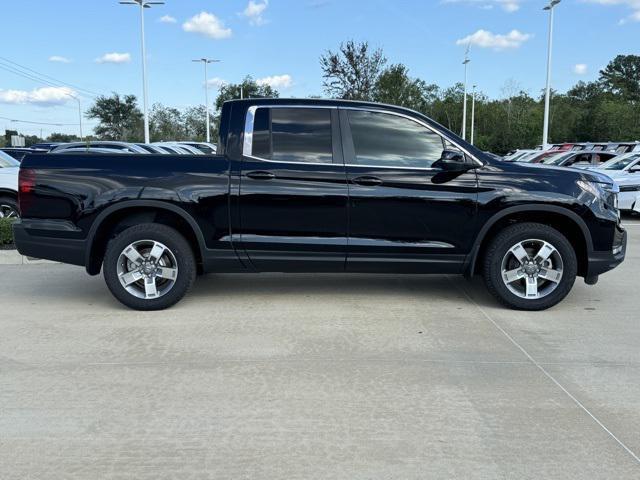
(601,262)
(47,240)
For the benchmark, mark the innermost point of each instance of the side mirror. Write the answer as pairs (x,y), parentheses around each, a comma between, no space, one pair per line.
(635,169)
(452,161)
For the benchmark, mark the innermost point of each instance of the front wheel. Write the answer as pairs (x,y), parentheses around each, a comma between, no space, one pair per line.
(530,266)
(149,267)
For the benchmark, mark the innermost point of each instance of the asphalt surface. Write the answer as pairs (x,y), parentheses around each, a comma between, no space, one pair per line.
(318,376)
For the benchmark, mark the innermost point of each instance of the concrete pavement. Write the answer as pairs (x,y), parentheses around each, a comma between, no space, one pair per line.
(318,376)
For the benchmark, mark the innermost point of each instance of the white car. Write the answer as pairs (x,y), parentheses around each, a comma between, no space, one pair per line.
(9,168)
(629,196)
(625,171)
(620,165)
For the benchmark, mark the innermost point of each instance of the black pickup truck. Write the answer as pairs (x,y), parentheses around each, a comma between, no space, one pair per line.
(320,186)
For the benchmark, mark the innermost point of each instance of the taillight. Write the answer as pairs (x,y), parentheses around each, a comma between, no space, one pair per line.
(26,187)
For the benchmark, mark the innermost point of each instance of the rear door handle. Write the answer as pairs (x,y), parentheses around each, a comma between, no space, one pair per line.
(367,181)
(260,175)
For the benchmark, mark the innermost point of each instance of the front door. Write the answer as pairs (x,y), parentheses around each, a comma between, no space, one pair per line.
(404,214)
(293,190)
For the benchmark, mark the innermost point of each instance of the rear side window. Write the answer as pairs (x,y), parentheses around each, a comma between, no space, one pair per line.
(382,139)
(301,135)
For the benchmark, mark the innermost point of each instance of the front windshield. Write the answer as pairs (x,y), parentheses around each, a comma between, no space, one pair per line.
(620,163)
(7,161)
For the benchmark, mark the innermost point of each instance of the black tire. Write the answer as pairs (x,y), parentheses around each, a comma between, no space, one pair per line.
(501,244)
(12,203)
(178,247)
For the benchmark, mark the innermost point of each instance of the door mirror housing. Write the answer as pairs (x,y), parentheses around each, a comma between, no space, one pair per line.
(635,169)
(452,161)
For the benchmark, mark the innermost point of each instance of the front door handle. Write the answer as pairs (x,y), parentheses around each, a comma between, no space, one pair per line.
(260,175)
(367,181)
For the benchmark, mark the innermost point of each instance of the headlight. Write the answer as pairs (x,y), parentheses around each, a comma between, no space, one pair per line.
(602,193)
(594,188)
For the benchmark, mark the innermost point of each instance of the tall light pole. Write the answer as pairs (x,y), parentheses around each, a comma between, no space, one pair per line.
(143,4)
(547,95)
(464,107)
(206,61)
(473,113)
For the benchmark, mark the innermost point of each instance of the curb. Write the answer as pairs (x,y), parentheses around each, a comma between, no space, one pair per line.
(12,257)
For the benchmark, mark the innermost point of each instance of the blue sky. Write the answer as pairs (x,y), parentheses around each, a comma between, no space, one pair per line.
(97,46)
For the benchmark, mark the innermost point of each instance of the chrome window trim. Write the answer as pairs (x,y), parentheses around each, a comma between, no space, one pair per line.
(247,146)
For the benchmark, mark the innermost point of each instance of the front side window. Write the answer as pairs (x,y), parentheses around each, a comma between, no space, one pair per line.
(382,139)
(301,135)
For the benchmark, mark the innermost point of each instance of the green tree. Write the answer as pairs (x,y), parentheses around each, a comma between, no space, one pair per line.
(622,77)
(353,71)
(394,86)
(248,88)
(62,137)
(195,126)
(166,123)
(119,116)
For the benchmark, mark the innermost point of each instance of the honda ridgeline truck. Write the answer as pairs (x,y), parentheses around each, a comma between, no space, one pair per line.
(320,186)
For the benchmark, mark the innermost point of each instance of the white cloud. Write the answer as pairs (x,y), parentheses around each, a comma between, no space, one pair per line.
(216,82)
(46,96)
(255,11)
(167,19)
(207,24)
(580,69)
(59,59)
(114,57)
(509,6)
(634,5)
(276,81)
(486,39)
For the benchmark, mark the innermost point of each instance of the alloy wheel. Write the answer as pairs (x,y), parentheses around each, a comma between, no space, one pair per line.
(147,269)
(7,211)
(532,269)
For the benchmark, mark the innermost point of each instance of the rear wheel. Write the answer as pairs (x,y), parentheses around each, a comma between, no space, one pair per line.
(8,207)
(149,267)
(530,266)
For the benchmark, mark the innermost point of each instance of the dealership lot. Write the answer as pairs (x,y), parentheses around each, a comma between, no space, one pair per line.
(318,376)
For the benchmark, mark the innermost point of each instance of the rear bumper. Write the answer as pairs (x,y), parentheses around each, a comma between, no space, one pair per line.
(601,262)
(48,244)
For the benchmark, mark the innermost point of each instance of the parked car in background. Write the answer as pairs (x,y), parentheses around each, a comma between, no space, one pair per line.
(561,147)
(90,149)
(9,168)
(18,152)
(204,147)
(629,195)
(519,154)
(151,148)
(48,146)
(539,156)
(172,148)
(129,147)
(321,186)
(621,163)
(578,159)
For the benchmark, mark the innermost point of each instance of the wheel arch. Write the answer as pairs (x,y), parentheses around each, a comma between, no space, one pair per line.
(562,219)
(8,192)
(132,212)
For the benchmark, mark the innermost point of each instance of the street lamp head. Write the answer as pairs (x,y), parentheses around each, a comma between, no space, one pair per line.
(552,4)
(142,3)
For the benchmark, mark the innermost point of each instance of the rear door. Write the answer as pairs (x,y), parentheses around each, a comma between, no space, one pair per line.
(293,190)
(404,214)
